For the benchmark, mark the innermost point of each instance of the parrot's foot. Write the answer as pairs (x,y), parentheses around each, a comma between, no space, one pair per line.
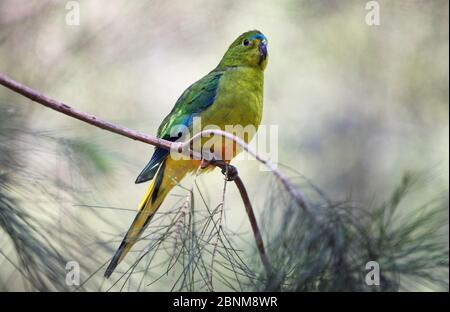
(230,172)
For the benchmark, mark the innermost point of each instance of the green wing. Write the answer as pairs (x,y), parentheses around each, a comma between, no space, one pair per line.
(191,103)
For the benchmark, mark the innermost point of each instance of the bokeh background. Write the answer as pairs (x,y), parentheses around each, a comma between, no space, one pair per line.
(356,105)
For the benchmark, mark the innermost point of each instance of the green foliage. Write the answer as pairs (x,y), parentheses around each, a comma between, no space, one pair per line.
(34,246)
(327,249)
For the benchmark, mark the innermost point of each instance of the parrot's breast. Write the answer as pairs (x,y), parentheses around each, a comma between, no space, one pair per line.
(237,109)
(239,100)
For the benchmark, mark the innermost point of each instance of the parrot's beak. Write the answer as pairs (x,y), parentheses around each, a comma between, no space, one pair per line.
(262,50)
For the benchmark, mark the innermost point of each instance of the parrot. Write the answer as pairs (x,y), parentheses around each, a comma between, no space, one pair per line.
(231,94)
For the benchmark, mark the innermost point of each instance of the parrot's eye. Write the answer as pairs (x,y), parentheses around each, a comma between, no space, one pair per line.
(246,42)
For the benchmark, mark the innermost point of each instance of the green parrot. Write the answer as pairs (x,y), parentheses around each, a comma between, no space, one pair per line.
(231,94)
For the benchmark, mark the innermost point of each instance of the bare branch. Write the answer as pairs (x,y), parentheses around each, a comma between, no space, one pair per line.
(72,112)
(254,224)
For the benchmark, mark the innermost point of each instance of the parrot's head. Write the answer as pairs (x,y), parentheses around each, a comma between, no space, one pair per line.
(249,49)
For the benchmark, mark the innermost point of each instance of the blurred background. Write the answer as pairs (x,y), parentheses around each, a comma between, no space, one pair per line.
(356,105)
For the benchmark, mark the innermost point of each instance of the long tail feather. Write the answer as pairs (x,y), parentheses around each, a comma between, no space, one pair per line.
(147,208)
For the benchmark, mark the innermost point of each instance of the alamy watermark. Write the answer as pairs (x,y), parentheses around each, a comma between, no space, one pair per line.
(73,14)
(373,276)
(72,273)
(373,16)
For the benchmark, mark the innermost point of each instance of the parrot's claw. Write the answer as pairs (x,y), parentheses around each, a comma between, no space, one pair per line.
(230,172)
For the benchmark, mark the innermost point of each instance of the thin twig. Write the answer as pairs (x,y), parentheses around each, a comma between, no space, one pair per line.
(254,224)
